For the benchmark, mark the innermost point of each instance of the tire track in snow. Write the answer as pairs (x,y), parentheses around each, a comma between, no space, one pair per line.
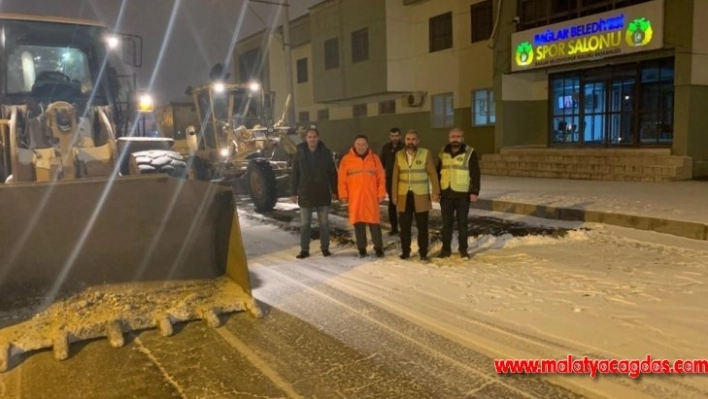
(540,347)
(325,275)
(471,338)
(477,371)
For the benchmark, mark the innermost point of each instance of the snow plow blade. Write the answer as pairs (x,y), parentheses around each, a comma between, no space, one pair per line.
(86,259)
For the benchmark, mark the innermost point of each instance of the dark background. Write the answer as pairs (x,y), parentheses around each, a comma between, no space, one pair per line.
(200,35)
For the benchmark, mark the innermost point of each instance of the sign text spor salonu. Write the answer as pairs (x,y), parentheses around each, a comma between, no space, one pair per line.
(611,34)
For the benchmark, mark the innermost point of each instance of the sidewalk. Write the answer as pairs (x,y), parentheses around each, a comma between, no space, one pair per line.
(678,208)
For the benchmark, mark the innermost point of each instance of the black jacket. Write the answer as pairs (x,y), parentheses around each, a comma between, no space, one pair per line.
(474,172)
(314,176)
(388,158)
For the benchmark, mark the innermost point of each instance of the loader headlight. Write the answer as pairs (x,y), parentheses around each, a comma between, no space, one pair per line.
(224,152)
(145,103)
(219,87)
(112,41)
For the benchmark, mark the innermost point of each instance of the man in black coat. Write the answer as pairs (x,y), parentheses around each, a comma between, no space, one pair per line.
(458,168)
(313,186)
(388,158)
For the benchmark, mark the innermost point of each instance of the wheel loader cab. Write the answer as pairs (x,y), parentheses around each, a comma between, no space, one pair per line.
(56,103)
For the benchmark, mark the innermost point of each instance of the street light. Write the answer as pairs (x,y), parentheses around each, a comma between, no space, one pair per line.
(254,87)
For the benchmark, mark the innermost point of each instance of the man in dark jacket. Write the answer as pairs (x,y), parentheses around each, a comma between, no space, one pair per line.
(458,168)
(388,158)
(313,186)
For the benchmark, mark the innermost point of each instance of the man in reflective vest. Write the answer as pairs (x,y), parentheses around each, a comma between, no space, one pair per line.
(460,183)
(415,184)
(362,185)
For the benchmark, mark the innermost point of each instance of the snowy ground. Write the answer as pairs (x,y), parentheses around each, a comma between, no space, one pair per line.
(603,293)
(349,327)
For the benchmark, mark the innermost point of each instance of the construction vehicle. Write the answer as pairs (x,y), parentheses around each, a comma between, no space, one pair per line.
(101,232)
(227,132)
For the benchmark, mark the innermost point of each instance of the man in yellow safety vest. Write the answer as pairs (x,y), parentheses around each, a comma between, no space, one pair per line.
(460,183)
(413,177)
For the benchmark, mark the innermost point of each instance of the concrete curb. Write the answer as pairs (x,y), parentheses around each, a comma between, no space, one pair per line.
(693,230)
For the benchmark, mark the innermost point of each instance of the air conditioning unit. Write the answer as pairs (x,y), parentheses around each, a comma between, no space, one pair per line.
(414,100)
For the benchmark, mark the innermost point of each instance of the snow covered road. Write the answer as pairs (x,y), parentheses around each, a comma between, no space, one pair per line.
(349,327)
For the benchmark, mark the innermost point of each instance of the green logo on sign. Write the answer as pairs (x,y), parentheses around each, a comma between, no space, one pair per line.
(524,54)
(639,33)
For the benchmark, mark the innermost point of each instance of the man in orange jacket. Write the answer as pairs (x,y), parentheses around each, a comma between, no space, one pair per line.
(362,185)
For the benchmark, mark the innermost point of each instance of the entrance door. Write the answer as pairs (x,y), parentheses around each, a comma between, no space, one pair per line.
(594,122)
(622,91)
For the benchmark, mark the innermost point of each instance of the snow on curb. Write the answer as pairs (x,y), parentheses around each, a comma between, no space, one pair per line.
(510,241)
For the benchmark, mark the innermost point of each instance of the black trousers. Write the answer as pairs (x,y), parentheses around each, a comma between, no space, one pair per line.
(421,222)
(360,235)
(392,212)
(451,208)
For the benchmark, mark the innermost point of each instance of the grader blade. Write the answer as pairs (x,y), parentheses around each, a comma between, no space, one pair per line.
(84,259)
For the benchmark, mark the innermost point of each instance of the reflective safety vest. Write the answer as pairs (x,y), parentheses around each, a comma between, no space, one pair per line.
(413,177)
(455,171)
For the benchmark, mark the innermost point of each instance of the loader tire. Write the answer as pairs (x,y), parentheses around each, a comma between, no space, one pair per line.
(262,184)
(160,161)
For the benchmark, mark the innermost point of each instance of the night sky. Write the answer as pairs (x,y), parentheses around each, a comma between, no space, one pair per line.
(201,34)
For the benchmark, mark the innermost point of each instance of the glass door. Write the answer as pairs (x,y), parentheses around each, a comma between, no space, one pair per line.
(620,131)
(594,122)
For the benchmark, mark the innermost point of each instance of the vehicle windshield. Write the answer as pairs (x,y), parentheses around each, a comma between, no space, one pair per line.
(47,59)
(245,108)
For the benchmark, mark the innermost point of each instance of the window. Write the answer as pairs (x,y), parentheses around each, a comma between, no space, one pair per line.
(331,49)
(359,110)
(387,107)
(360,45)
(535,13)
(302,70)
(483,108)
(621,105)
(443,111)
(250,65)
(481,14)
(323,114)
(303,117)
(440,32)
(42,63)
(657,102)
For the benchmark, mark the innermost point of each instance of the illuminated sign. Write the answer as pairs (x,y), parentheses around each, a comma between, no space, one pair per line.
(622,31)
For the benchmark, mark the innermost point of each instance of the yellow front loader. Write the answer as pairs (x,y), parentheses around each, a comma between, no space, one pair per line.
(101,232)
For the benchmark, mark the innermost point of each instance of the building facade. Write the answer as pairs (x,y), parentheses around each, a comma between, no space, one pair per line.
(365,66)
(601,89)
(588,89)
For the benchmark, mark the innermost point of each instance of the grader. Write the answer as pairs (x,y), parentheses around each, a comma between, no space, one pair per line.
(101,232)
(227,133)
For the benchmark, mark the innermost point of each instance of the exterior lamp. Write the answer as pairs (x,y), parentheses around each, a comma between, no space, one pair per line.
(145,103)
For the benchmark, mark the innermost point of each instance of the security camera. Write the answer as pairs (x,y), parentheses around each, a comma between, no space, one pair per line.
(517,20)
